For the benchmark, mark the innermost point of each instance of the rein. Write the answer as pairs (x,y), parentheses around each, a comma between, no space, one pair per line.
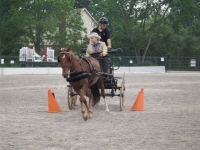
(79,63)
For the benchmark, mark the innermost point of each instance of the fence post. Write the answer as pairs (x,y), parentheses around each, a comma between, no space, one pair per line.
(25,61)
(166,63)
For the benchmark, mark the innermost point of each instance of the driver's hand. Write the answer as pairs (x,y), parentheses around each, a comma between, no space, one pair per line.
(109,47)
(101,55)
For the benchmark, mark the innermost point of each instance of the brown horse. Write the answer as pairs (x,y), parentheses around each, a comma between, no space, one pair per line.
(88,86)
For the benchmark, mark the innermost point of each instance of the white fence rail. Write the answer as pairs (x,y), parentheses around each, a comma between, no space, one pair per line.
(23,71)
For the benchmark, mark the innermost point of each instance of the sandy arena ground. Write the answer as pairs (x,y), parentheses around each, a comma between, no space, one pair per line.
(171,120)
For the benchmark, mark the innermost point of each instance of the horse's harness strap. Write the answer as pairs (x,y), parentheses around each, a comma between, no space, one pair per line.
(83,74)
(93,70)
(77,76)
(89,63)
(79,63)
(80,75)
(70,58)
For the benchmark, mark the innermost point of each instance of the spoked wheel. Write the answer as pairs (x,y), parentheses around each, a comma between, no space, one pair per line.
(122,94)
(71,98)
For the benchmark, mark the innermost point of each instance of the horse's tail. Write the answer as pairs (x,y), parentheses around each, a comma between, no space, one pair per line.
(96,94)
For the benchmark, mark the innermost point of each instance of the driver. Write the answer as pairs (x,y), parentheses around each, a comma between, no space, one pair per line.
(97,49)
(103,32)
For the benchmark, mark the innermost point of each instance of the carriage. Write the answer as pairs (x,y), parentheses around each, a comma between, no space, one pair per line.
(115,86)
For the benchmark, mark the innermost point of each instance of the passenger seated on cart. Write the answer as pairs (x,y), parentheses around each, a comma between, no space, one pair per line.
(98,50)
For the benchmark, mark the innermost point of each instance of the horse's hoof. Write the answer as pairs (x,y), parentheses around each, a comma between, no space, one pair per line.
(71,108)
(85,118)
(107,111)
(90,117)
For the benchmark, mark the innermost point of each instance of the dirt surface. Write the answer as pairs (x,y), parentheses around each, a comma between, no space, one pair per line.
(170,120)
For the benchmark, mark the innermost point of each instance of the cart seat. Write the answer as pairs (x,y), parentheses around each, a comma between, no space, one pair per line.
(83,50)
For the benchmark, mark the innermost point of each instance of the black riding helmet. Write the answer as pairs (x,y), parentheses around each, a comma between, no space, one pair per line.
(104,21)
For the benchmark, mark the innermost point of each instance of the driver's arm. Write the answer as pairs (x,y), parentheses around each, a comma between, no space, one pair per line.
(108,39)
(109,43)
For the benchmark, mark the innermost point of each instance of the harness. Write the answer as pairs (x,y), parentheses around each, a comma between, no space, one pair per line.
(77,76)
(80,75)
(70,58)
(89,63)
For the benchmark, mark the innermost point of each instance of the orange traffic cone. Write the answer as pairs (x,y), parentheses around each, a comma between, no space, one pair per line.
(52,104)
(139,102)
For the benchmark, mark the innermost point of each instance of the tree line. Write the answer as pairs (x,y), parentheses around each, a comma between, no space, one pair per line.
(140,27)
(38,23)
(150,27)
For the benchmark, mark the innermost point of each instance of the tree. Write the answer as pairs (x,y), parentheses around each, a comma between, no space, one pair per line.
(42,18)
(76,31)
(181,43)
(141,18)
(71,31)
(39,23)
(82,3)
(11,27)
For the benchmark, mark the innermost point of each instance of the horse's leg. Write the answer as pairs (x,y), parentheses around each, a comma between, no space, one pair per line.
(100,83)
(82,100)
(106,105)
(89,94)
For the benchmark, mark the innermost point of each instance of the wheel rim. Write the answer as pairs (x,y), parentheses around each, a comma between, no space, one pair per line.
(122,96)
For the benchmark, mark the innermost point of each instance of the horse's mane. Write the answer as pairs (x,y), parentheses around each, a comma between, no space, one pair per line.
(72,53)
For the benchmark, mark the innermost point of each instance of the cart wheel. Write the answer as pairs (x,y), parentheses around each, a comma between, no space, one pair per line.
(71,98)
(122,92)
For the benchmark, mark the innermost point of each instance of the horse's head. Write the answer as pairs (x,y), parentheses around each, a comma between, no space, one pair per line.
(65,60)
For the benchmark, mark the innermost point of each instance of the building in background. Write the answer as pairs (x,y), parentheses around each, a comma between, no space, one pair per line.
(89,22)
(29,53)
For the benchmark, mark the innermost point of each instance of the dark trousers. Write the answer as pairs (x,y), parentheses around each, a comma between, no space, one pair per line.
(104,61)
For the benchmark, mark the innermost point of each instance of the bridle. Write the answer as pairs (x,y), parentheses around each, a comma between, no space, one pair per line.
(70,59)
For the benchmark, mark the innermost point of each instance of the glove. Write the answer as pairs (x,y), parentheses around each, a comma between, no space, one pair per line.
(108,47)
(101,55)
